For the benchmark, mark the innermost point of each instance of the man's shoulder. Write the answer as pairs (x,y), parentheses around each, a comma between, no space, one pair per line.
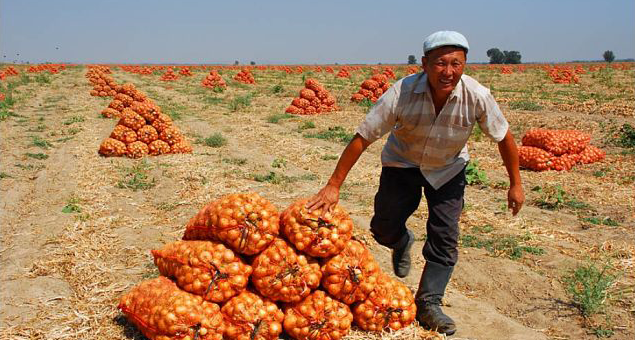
(473,87)
(408,83)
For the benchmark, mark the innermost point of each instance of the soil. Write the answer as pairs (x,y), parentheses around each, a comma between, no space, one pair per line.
(63,272)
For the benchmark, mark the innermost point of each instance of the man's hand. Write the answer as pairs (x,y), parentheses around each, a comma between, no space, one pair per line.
(515,199)
(509,153)
(326,199)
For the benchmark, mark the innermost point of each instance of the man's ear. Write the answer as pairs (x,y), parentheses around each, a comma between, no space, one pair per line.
(424,63)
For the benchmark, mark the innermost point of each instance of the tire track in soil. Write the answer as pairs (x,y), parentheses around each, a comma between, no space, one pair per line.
(32,202)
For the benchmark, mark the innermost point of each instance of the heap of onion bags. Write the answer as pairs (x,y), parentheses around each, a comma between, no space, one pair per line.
(559,150)
(308,277)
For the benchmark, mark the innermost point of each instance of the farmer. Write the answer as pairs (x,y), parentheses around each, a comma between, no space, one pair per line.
(430,116)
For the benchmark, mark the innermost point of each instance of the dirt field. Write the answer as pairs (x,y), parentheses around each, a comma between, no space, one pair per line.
(77,228)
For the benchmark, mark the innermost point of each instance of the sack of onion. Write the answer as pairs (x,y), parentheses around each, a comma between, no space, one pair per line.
(204,268)
(318,317)
(350,275)
(390,305)
(281,274)
(314,234)
(249,317)
(246,223)
(162,311)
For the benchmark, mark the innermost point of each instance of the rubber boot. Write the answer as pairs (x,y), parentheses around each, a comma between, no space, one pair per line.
(434,279)
(401,254)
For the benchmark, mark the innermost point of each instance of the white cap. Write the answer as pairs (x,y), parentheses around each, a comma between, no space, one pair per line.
(445,38)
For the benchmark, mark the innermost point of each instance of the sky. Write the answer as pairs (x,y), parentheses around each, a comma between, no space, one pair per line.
(307,32)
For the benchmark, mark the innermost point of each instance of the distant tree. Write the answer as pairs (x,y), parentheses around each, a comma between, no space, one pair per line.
(412,60)
(608,56)
(506,57)
(252,63)
(495,56)
(236,62)
(512,57)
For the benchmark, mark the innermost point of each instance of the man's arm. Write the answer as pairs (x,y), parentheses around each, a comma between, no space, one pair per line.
(328,197)
(509,153)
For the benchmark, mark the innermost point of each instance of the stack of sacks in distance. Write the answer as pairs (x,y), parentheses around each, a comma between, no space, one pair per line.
(103,84)
(51,68)
(8,72)
(343,73)
(245,77)
(559,150)
(313,99)
(185,71)
(267,273)
(389,73)
(169,75)
(142,128)
(213,80)
(372,88)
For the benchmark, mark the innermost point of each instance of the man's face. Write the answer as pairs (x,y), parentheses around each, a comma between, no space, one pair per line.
(444,67)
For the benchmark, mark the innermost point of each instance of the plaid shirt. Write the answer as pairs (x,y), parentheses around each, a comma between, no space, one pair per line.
(437,145)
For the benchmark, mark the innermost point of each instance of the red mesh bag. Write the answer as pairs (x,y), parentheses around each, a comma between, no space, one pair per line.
(112,148)
(564,162)
(249,317)
(534,158)
(147,134)
(162,311)
(313,99)
(146,109)
(137,149)
(282,275)
(591,154)
(158,147)
(246,223)
(317,317)
(350,275)
(390,305)
(131,119)
(109,113)
(171,135)
(557,142)
(205,268)
(162,122)
(315,235)
(181,146)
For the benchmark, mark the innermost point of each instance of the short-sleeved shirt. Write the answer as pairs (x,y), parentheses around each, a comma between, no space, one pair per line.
(436,144)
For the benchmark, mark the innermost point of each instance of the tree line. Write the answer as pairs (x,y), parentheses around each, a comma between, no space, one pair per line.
(497,56)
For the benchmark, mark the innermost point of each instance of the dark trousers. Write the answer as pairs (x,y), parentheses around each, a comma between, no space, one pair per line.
(399,196)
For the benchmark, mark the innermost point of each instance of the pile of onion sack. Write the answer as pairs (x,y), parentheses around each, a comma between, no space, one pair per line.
(559,150)
(245,271)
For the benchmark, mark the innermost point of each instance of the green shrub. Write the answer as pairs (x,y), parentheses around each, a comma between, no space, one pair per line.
(588,286)
(136,177)
(335,134)
(524,105)
(215,141)
(473,174)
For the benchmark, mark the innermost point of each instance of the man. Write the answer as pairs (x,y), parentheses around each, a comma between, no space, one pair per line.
(430,116)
